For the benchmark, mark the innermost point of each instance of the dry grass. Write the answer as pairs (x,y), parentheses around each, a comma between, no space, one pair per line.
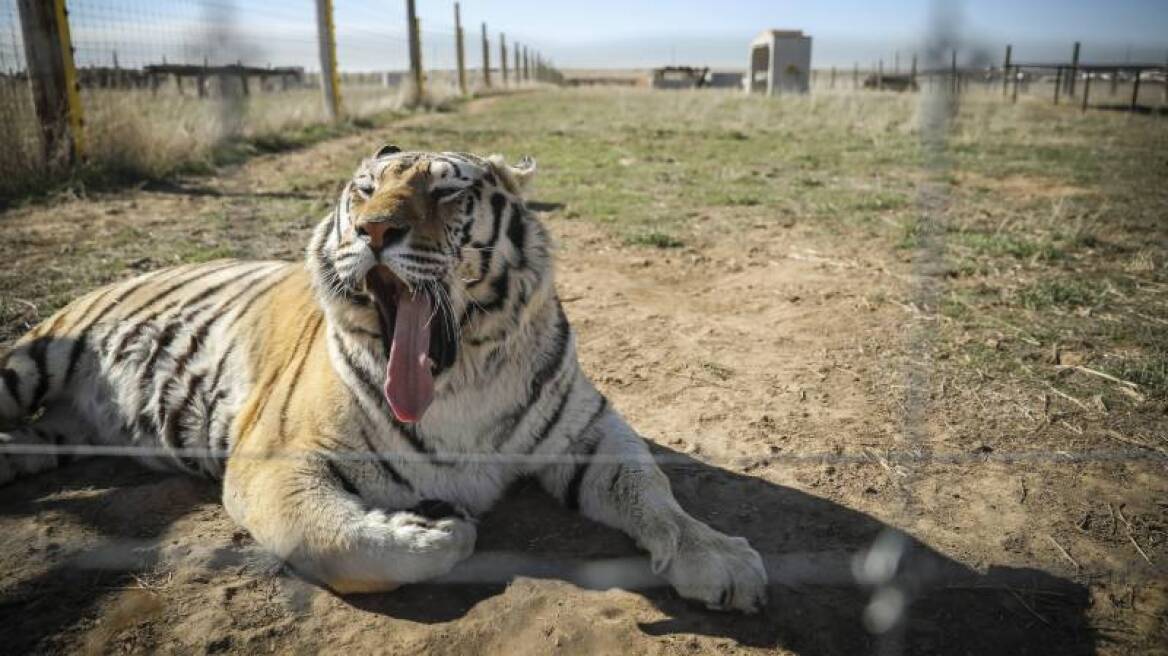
(136,135)
(21,159)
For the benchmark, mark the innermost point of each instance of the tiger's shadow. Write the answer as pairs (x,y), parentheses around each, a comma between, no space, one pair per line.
(810,546)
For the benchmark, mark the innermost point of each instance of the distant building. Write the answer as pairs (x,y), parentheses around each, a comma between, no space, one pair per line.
(780,62)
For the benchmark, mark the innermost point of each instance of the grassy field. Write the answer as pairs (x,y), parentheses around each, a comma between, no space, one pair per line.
(746,277)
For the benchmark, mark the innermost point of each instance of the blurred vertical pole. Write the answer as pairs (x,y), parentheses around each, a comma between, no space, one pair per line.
(1058,82)
(880,75)
(526,65)
(912,76)
(330,83)
(242,77)
(953,73)
(1006,69)
(515,72)
(1074,70)
(1014,94)
(458,50)
(1086,90)
(1135,90)
(201,80)
(48,51)
(486,58)
(503,56)
(415,52)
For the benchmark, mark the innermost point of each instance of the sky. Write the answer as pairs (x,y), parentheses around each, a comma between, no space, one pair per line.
(606,33)
(598,33)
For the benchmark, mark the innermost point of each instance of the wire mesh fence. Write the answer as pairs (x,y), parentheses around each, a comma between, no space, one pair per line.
(162,86)
(1087,84)
(18,129)
(230,89)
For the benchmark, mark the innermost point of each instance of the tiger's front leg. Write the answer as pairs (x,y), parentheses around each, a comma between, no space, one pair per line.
(616,482)
(308,512)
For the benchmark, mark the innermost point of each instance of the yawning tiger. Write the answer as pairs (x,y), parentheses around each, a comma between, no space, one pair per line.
(362,410)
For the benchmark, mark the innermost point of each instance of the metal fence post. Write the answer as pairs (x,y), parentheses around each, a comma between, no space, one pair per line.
(953,72)
(1074,70)
(48,51)
(458,50)
(415,51)
(1006,69)
(503,56)
(515,72)
(1086,90)
(486,58)
(1135,90)
(330,82)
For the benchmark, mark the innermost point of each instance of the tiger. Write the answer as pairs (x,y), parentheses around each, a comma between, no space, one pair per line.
(364,407)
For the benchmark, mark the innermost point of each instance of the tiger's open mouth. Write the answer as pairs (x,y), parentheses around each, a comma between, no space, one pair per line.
(418,341)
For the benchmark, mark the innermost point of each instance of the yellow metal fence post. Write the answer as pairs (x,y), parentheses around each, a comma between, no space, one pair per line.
(330,78)
(52,76)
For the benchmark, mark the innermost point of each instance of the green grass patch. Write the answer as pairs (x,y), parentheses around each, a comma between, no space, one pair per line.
(1150,372)
(653,238)
(1002,244)
(1063,293)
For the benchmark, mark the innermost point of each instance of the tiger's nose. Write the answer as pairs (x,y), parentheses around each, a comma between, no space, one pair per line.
(380,233)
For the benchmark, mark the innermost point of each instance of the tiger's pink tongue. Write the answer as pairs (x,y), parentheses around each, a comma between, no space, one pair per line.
(409,384)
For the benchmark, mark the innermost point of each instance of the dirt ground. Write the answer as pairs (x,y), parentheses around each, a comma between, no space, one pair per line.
(795,393)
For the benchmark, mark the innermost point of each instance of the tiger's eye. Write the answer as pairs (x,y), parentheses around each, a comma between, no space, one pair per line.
(364,186)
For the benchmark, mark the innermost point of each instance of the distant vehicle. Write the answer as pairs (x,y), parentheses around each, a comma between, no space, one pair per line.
(679,77)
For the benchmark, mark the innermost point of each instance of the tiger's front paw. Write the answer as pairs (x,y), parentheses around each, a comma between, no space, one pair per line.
(388,550)
(723,572)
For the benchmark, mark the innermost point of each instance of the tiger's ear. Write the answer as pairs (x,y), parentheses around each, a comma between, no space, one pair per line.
(387,149)
(515,178)
(524,171)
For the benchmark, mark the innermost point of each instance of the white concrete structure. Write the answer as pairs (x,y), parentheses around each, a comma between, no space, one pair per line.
(780,62)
